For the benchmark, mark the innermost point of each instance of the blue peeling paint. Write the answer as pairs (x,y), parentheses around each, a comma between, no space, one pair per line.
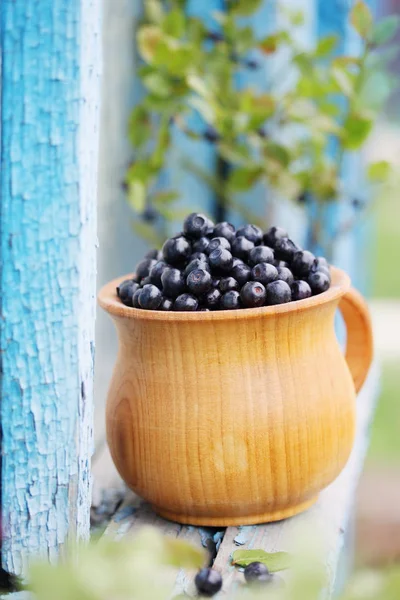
(124,513)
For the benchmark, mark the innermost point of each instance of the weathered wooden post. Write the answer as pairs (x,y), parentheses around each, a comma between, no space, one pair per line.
(50,58)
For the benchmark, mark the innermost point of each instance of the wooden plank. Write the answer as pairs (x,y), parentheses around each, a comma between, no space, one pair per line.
(49,114)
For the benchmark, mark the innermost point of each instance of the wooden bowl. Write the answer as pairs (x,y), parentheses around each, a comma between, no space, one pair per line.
(235,417)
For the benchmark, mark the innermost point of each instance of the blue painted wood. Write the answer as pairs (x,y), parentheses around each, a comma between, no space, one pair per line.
(49,100)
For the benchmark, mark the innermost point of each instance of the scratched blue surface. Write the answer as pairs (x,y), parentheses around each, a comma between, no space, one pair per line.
(40,228)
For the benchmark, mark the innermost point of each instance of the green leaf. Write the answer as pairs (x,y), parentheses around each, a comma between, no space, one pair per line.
(244,8)
(345,61)
(198,85)
(137,195)
(148,40)
(343,81)
(204,108)
(376,89)
(164,197)
(379,171)
(176,57)
(361,18)
(385,30)
(183,555)
(269,44)
(277,152)
(243,178)
(139,128)
(275,561)
(234,153)
(153,11)
(174,23)
(326,45)
(356,128)
(158,84)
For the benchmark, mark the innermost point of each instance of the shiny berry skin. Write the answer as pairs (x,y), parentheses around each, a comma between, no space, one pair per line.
(154,253)
(215,281)
(156,271)
(302,262)
(125,291)
(253,294)
(264,273)
(186,302)
(261,254)
(285,274)
(195,225)
(273,235)
(242,273)
(231,301)
(145,281)
(135,298)
(278,292)
(300,290)
(221,259)
(241,247)
(196,263)
(199,255)
(319,282)
(212,299)
(252,233)
(150,297)
(218,242)
(226,230)
(176,250)
(199,281)
(166,304)
(321,264)
(227,284)
(285,249)
(257,572)
(173,282)
(143,268)
(281,263)
(201,244)
(208,582)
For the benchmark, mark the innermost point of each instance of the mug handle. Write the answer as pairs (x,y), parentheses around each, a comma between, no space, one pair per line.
(359,347)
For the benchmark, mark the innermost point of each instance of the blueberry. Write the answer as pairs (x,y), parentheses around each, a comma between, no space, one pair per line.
(319,282)
(176,250)
(281,263)
(242,273)
(221,259)
(211,135)
(321,264)
(208,582)
(199,281)
(135,298)
(125,291)
(145,281)
(227,284)
(212,299)
(257,571)
(215,282)
(201,244)
(195,225)
(226,230)
(302,262)
(215,36)
(156,271)
(231,300)
(252,294)
(300,290)
(264,273)
(237,261)
(154,253)
(204,310)
(278,292)
(173,282)
(261,254)
(285,249)
(166,304)
(241,247)
(150,297)
(199,255)
(186,302)
(150,214)
(285,274)
(252,64)
(196,263)
(143,268)
(273,235)
(218,242)
(252,233)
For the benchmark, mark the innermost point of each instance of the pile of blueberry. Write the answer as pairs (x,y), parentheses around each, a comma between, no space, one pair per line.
(215,267)
(209,581)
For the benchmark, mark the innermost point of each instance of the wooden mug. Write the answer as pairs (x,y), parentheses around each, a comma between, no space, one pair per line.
(236,417)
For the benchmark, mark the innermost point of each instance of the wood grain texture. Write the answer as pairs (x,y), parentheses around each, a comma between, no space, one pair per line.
(200,402)
(49,101)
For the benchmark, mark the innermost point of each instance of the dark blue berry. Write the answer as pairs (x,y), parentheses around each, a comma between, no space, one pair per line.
(285,274)
(176,250)
(125,291)
(150,214)
(300,290)
(212,299)
(204,310)
(208,582)
(150,297)
(241,247)
(285,249)
(227,284)
(215,36)
(201,244)
(186,302)
(199,281)
(281,263)
(273,235)
(302,262)
(278,292)
(196,263)
(230,300)
(211,135)
(215,282)
(319,282)
(173,282)
(257,572)
(145,281)
(242,273)
(135,298)
(195,225)
(198,255)
(264,273)
(166,304)
(321,264)
(252,233)
(154,253)
(252,294)
(261,254)
(156,271)
(143,268)
(252,64)
(221,259)
(218,242)
(226,230)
